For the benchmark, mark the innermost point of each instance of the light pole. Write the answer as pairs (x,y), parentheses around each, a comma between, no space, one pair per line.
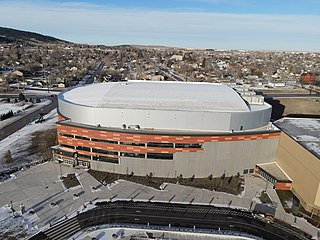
(60,161)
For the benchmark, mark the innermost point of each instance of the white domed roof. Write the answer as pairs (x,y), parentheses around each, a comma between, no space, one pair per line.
(176,96)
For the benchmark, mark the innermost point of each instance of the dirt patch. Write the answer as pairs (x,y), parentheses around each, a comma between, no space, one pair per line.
(294,107)
(285,91)
(300,106)
(232,185)
(42,141)
(285,198)
(264,197)
(70,181)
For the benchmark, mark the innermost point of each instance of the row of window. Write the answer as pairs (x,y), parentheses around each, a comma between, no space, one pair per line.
(165,156)
(64,153)
(84,156)
(106,159)
(72,162)
(104,151)
(150,144)
(246,171)
(267,177)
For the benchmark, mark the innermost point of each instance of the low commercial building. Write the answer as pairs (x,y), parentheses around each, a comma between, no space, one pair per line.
(299,156)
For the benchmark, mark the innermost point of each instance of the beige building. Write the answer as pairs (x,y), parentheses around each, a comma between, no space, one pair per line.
(299,156)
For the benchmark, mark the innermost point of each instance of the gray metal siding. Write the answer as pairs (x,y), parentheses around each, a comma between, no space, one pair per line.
(171,120)
(217,158)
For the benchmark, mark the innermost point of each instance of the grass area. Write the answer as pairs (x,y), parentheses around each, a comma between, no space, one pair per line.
(232,185)
(70,181)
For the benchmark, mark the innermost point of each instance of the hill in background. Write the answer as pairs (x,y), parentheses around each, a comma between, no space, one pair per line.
(9,35)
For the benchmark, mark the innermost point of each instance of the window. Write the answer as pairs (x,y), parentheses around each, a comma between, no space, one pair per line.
(65,135)
(64,153)
(251,170)
(245,171)
(166,156)
(132,143)
(106,159)
(104,151)
(160,145)
(86,164)
(83,148)
(188,145)
(83,138)
(105,141)
(67,146)
(136,155)
(83,156)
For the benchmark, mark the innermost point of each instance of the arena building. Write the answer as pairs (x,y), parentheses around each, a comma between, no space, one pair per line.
(168,129)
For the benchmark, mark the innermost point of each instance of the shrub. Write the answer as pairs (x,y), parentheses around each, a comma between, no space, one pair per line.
(8,157)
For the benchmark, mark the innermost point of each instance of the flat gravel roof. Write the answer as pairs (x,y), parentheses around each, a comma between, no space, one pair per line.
(305,131)
(158,95)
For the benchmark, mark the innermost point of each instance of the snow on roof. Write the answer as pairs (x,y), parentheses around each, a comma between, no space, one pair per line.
(158,96)
(303,130)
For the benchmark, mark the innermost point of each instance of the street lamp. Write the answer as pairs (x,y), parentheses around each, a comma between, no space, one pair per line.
(60,161)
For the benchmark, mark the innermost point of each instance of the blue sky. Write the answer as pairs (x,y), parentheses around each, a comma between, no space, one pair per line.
(219,24)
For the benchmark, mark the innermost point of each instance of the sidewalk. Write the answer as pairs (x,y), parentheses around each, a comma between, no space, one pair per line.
(39,186)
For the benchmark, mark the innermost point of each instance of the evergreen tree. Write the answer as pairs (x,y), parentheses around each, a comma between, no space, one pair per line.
(8,157)
(21,97)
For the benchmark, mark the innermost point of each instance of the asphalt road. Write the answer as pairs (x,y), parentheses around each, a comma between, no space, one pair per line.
(27,95)
(26,119)
(168,72)
(89,78)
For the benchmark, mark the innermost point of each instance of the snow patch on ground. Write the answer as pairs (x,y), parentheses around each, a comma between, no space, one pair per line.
(28,108)
(111,185)
(14,223)
(20,141)
(41,92)
(15,107)
(288,204)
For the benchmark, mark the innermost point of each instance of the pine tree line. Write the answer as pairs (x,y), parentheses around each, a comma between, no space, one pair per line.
(6,115)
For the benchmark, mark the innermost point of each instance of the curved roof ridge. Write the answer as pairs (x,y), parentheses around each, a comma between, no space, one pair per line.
(179,96)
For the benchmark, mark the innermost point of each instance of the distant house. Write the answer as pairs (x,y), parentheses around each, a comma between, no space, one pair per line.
(18,73)
(157,78)
(61,85)
(276,84)
(177,57)
(308,78)
(37,84)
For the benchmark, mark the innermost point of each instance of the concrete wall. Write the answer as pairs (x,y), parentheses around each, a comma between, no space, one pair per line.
(216,159)
(171,120)
(304,170)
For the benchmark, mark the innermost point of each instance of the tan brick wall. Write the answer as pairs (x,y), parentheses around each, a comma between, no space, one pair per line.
(304,170)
